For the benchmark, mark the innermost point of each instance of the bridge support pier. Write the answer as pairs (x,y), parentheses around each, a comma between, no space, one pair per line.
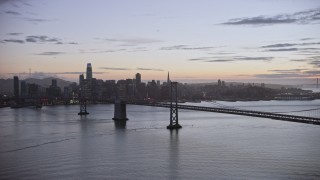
(120,111)
(174,124)
(83,107)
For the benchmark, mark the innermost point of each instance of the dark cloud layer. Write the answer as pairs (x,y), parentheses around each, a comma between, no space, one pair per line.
(13,13)
(128,69)
(37,20)
(283,45)
(287,70)
(131,41)
(53,53)
(115,68)
(280,75)
(279,45)
(41,39)
(289,73)
(63,73)
(302,17)
(283,49)
(98,51)
(36,39)
(14,34)
(185,47)
(12,41)
(149,69)
(231,59)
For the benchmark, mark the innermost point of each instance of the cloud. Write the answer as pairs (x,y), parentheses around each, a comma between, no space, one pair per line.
(115,69)
(13,13)
(290,44)
(185,47)
(220,60)
(280,75)
(254,58)
(315,72)
(231,59)
(149,69)
(287,70)
(14,34)
(38,20)
(221,53)
(311,60)
(306,39)
(308,49)
(302,17)
(12,41)
(315,63)
(283,49)
(95,72)
(97,51)
(279,45)
(131,41)
(41,39)
(46,39)
(3,1)
(289,73)
(298,60)
(15,3)
(51,53)
(196,59)
(128,69)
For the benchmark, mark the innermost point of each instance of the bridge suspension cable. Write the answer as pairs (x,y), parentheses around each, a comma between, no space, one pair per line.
(313,112)
(305,110)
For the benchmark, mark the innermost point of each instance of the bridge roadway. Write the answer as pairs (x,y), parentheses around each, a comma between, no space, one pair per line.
(282,117)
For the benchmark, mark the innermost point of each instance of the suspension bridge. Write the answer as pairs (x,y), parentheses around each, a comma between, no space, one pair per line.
(120,111)
(261,114)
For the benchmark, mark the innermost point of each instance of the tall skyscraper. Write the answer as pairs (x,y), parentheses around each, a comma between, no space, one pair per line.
(54,83)
(138,78)
(23,87)
(81,79)
(89,71)
(16,86)
(168,80)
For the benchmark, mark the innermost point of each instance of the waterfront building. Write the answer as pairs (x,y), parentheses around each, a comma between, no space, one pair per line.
(16,89)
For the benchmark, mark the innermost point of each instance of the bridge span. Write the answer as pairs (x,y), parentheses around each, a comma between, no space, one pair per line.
(261,114)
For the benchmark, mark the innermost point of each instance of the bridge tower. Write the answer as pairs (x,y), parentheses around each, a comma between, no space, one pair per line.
(120,110)
(174,124)
(83,104)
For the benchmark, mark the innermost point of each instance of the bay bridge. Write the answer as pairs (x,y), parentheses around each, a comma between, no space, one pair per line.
(120,111)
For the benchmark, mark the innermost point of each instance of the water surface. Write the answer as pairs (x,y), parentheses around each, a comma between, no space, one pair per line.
(55,143)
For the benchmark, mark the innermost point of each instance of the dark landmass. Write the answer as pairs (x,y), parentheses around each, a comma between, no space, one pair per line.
(53,91)
(6,85)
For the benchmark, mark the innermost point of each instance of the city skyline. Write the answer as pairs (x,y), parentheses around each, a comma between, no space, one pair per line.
(196,41)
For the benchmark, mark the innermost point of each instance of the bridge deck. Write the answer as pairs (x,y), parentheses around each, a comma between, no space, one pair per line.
(282,117)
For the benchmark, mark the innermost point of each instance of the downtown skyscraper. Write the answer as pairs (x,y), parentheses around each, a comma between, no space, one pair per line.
(89,71)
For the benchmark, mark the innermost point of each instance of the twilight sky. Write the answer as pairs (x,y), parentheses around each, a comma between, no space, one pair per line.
(196,40)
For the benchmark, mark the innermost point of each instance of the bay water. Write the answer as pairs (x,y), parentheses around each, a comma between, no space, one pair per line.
(56,143)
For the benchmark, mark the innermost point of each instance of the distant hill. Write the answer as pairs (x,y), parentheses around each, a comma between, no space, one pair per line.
(272,86)
(6,85)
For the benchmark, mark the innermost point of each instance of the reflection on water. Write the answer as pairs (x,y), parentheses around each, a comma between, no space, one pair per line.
(174,154)
(120,124)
